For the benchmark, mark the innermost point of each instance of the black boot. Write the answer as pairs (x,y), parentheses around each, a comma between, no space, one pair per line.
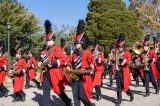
(118,102)
(99,96)
(137,85)
(158,83)
(6,93)
(16,98)
(22,96)
(65,98)
(157,91)
(110,85)
(23,99)
(131,94)
(92,104)
(147,94)
(131,97)
(4,90)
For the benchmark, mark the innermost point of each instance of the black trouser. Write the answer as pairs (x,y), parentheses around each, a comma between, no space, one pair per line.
(105,71)
(158,82)
(158,68)
(28,79)
(98,90)
(148,76)
(120,85)
(158,65)
(3,89)
(136,76)
(110,74)
(79,94)
(93,75)
(46,91)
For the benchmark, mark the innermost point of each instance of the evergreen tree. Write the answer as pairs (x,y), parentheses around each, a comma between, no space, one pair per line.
(22,22)
(107,19)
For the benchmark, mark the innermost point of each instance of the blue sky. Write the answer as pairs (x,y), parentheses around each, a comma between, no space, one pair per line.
(58,11)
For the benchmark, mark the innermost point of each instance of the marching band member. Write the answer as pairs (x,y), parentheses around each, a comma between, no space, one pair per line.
(81,59)
(111,59)
(136,61)
(99,58)
(20,67)
(53,77)
(3,69)
(30,73)
(148,58)
(157,51)
(123,78)
(66,62)
(43,54)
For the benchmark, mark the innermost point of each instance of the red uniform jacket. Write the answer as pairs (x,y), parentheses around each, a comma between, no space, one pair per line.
(152,55)
(19,80)
(32,64)
(56,75)
(3,63)
(66,62)
(99,70)
(87,80)
(158,61)
(126,71)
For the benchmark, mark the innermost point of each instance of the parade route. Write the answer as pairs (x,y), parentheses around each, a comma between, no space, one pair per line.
(34,97)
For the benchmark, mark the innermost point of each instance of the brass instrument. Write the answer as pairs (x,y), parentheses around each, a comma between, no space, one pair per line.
(43,67)
(73,73)
(117,62)
(138,47)
(12,73)
(98,51)
(145,60)
(137,63)
(110,58)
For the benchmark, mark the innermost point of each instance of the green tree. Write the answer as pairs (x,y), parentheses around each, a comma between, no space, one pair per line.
(148,15)
(68,33)
(22,21)
(107,19)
